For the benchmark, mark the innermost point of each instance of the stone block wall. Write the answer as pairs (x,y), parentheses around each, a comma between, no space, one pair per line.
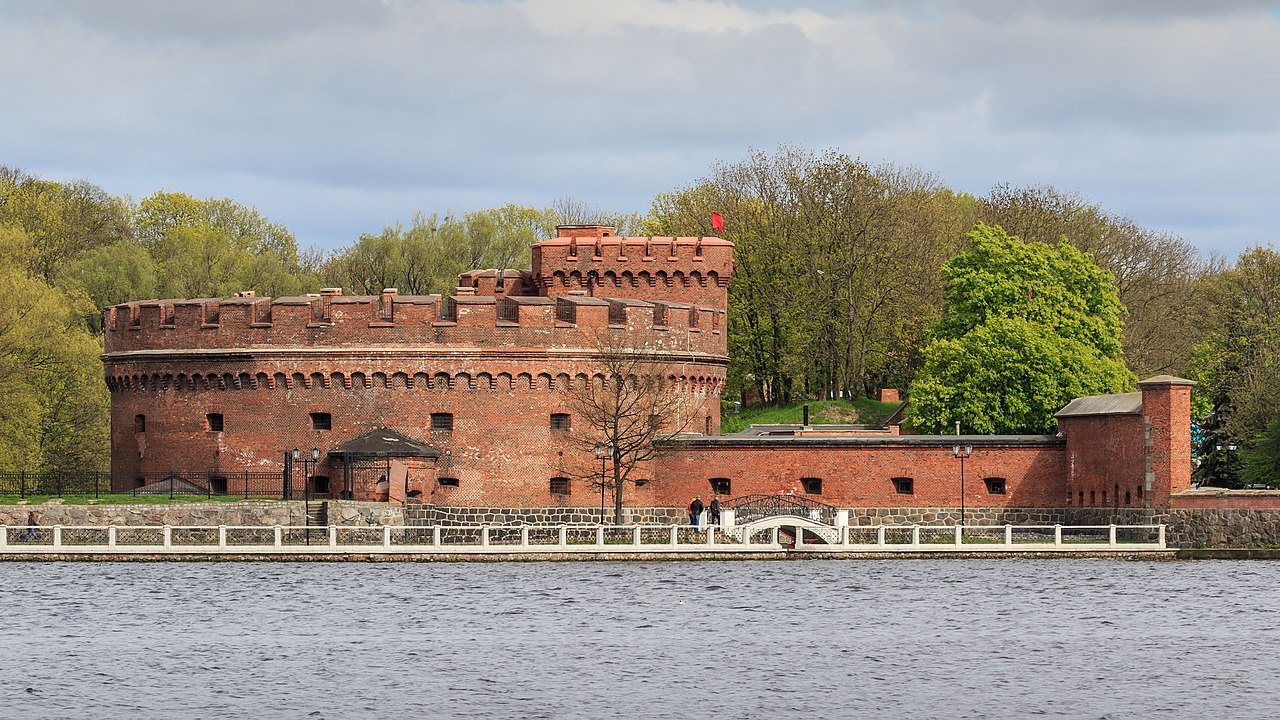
(285,513)
(439,515)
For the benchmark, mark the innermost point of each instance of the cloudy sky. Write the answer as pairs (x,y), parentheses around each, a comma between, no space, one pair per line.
(338,117)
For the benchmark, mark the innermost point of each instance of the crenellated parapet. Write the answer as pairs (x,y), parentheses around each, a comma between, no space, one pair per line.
(465,320)
(592,259)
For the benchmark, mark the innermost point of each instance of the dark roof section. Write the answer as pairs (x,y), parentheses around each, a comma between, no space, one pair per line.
(1122,404)
(385,442)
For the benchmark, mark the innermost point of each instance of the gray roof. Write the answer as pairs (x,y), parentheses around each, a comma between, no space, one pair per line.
(1129,403)
(385,442)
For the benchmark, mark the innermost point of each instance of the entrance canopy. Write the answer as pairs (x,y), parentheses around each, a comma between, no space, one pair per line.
(384,443)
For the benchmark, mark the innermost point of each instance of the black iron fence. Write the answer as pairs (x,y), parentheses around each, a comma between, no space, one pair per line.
(209,483)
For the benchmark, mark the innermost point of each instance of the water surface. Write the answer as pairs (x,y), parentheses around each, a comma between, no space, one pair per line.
(774,639)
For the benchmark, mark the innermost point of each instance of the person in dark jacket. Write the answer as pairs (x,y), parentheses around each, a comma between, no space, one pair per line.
(713,512)
(695,511)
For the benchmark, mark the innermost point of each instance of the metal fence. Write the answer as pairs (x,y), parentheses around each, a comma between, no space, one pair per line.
(209,483)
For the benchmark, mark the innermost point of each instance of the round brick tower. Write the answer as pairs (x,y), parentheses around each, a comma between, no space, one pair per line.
(222,387)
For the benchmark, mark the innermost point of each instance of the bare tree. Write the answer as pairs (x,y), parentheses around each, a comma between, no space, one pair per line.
(631,403)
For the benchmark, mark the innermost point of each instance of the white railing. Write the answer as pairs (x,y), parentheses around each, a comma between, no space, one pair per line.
(620,539)
(998,538)
(238,539)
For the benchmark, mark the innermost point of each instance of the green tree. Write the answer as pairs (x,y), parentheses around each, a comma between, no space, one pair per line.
(61,219)
(835,267)
(1237,365)
(111,275)
(1158,275)
(1026,328)
(55,409)
(213,248)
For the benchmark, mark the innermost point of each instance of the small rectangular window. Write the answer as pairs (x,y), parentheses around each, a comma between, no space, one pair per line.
(447,482)
(321,421)
(215,422)
(995,486)
(904,486)
(139,423)
(559,486)
(442,422)
(812,486)
(721,486)
(560,421)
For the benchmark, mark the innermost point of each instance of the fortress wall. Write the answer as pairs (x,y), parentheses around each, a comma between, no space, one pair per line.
(334,320)
(861,475)
(1106,458)
(502,449)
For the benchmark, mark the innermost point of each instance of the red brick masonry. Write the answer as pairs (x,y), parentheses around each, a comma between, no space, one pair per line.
(235,382)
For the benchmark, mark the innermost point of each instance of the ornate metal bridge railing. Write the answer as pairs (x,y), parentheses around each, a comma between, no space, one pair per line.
(756,507)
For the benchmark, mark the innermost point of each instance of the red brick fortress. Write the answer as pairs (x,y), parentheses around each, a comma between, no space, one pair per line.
(476,388)
(483,376)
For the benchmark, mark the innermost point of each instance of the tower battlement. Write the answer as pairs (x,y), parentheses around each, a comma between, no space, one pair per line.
(335,320)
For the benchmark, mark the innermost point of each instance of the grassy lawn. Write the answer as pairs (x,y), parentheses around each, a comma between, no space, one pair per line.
(860,411)
(122,499)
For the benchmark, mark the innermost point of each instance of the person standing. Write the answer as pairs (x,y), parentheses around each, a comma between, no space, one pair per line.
(713,511)
(31,526)
(695,511)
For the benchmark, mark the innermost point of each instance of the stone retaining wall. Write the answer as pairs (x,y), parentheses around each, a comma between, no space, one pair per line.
(440,515)
(249,513)
(1196,527)
(950,516)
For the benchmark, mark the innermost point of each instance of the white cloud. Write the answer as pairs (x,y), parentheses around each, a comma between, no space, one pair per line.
(337,115)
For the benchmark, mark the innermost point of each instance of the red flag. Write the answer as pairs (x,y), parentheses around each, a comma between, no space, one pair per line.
(717,221)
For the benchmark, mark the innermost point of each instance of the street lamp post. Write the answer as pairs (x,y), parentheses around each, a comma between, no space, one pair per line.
(603,452)
(962,452)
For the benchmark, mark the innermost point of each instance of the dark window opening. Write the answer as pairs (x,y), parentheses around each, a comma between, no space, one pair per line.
(1081,497)
(1127,500)
(321,421)
(559,486)
(1093,497)
(447,482)
(904,486)
(319,484)
(215,422)
(721,486)
(812,486)
(442,422)
(707,430)
(995,486)
(641,483)
(139,423)
(560,421)
(1070,497)
(1139,492)
(218,485)
(1104,497)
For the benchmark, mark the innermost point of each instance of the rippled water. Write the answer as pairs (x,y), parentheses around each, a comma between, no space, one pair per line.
(897,638)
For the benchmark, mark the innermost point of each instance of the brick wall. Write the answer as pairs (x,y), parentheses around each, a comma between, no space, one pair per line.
(859,472)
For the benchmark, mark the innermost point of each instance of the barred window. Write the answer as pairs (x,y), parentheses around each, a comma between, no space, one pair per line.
(812,485)
(215,422)
(442,422)
(904,486)
(559,486)
(560,421)
(321,421)
(995,485)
